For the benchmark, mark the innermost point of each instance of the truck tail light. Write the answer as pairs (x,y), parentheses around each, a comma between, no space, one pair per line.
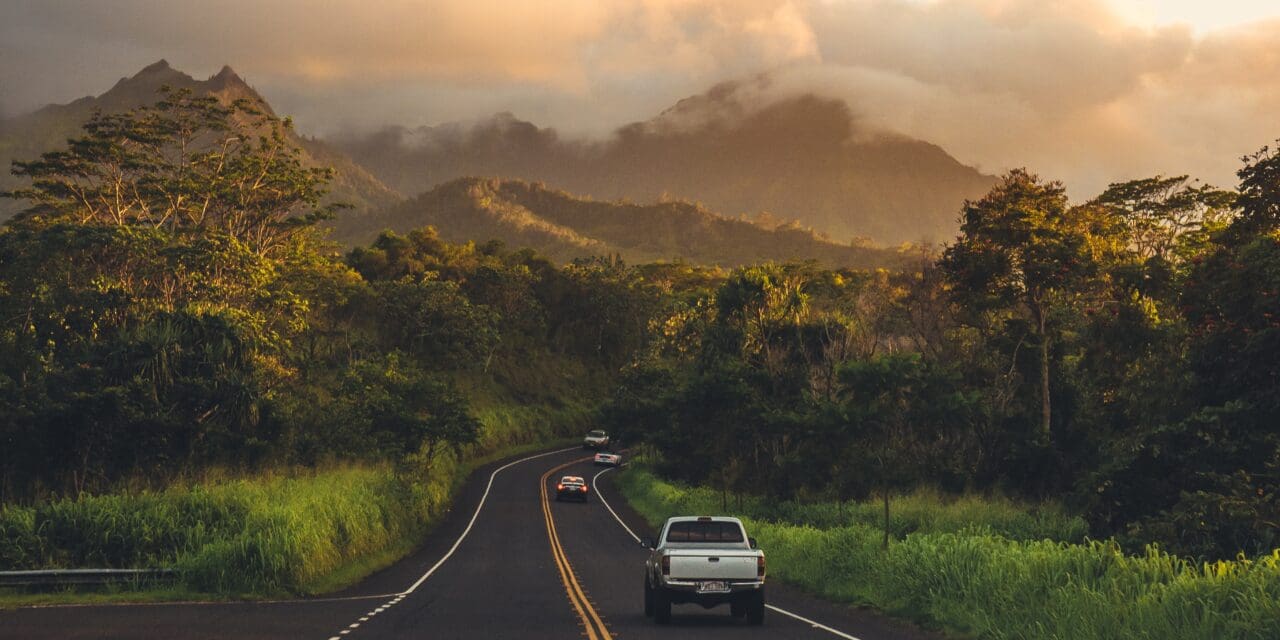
(666,565)
(760,567)
(559,487)
(584,488)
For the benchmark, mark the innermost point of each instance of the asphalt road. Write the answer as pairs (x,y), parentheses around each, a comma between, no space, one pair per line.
(490,570)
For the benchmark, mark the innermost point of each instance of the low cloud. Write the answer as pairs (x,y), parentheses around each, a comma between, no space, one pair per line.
(1067,88)
(1071,88)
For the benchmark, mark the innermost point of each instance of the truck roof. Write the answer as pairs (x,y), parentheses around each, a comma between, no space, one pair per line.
(704,519)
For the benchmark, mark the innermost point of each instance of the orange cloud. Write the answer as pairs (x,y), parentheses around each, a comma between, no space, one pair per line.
(1071,87)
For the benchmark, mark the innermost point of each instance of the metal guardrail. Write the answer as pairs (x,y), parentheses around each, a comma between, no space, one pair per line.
(55,577)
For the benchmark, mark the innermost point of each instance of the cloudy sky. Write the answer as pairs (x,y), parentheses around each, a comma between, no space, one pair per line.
(1088,91)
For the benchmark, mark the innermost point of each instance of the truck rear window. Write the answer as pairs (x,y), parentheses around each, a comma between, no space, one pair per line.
(704,532)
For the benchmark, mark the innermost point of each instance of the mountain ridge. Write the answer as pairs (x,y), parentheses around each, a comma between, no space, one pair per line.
(564,226)
(27,136)
(740,148)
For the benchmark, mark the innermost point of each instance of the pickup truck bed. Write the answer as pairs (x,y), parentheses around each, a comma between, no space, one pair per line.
(707,561)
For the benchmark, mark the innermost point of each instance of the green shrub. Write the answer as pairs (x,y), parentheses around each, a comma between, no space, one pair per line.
(19,544)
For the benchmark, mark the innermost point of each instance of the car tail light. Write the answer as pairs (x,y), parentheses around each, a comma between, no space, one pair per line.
(559,487)
(584,488)
(760,566)
(666,565)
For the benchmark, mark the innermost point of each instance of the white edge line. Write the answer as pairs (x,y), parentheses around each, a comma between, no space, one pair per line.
(456,543)
(599,495)
(199,603)
(784,612)
(474,516)
(411,589)
(815,625)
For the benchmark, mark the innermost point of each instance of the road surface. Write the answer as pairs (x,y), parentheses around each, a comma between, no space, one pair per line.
(505,563)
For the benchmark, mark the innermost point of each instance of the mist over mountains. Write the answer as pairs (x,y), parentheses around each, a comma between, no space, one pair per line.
(800,157)
(726,177)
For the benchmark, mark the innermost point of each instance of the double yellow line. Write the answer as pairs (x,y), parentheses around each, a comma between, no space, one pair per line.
(591,621)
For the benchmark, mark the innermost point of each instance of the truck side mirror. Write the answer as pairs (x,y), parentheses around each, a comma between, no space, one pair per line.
(752,542)
(648,543)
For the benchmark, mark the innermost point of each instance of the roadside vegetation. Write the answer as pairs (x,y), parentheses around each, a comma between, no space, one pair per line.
(1118,357)
(192,377)
(922,511)
(172,311)
(962,567)
(1114,359)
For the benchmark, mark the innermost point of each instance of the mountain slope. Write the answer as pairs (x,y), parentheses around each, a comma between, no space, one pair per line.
(564,227)
(800,156)
(26,137)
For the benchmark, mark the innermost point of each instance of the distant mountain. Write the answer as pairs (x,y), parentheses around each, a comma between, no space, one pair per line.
(26,137)
(563,226)
(801,157)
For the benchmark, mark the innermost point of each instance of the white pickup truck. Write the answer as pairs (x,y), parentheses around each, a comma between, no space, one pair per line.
(707,561)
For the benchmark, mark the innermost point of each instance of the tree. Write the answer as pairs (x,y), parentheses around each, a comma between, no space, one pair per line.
(153,289)
(1205,482)
(434,321)
(1160,214)
(403,409)
(185,164)
(1020,252)
(897,406)
(761,304)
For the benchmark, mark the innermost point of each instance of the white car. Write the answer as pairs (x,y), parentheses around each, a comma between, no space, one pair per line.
(608,459)
(706,561)
(571,488)
(597,439)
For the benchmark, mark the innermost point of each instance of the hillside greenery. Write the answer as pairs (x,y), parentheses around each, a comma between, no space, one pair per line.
(564,226)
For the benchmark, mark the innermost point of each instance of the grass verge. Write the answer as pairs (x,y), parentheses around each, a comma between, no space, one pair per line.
(272,535)
(988,585)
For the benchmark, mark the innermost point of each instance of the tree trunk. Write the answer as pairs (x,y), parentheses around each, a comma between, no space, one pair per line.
(885,544)
(1045,413)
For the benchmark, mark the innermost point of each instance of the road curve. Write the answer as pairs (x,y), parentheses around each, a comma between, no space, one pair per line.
(502,564)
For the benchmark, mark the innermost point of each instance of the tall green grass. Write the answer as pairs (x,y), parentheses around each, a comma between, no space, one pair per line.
(265,535)
(273,533)
(922,511)
(991,586)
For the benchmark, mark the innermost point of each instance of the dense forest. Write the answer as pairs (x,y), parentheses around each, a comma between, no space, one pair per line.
(1120,354)
(171,304)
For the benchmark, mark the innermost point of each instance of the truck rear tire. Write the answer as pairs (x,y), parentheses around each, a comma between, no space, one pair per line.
(661,606)
(755,609)
(648,599)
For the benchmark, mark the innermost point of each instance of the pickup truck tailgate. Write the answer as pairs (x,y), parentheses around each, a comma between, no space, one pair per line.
(696,564)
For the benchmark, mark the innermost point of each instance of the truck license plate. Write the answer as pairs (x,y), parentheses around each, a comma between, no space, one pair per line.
(713,586)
